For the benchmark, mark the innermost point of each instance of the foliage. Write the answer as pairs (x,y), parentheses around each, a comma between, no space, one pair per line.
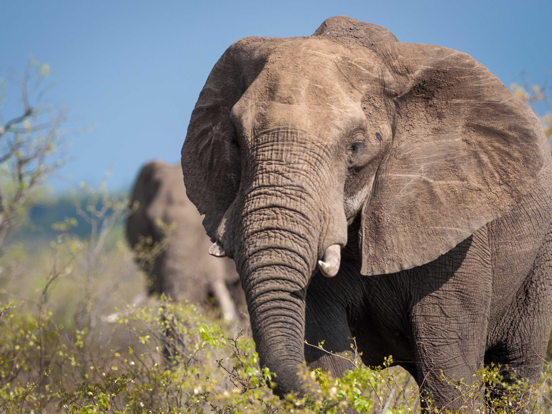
(29,145)
(57,353)
(48,369)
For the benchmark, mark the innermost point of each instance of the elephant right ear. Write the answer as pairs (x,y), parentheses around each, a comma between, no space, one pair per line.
(210,155)
(464,152)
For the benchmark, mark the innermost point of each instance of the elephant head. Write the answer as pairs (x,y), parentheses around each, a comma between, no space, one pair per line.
(181,268)
(294,142)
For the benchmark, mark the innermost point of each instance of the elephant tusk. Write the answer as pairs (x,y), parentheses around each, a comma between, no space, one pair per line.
(217,250)
(329,266)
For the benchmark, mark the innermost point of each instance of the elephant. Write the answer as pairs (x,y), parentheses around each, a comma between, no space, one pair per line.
(396,196)
(182,270)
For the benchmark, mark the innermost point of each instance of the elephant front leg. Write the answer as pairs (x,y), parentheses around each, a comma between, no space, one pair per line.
(449,323)
(520,336)
(446,368)
(326,322)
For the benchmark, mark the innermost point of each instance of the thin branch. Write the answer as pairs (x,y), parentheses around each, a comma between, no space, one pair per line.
(333,354)
(15,121)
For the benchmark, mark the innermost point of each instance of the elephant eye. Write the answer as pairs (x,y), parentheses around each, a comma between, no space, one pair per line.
(355,147)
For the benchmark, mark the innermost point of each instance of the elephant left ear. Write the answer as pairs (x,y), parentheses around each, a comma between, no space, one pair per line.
(465,150)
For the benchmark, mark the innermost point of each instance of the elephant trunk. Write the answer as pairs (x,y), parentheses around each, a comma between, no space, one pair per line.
(282,225)
(275,284)
(277,312)
(276,262)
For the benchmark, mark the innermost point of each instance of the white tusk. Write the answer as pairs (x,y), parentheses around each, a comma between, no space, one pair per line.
(329,266)
(217,250)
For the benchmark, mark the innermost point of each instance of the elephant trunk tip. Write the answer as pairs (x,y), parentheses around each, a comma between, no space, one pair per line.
(329,265)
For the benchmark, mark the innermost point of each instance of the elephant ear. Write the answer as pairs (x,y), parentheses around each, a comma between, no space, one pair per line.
(464,152)
(143,193)
(210,155)
(343,27)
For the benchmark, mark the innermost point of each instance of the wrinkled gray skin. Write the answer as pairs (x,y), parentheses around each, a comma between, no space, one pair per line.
(433,177)
(184,270)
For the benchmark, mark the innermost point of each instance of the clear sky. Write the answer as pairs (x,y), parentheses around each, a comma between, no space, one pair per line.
(133,70)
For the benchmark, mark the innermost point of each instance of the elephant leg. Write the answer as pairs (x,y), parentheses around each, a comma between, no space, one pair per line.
(449,351)
(525,328)
(449,322)
(442,366)
(326,322)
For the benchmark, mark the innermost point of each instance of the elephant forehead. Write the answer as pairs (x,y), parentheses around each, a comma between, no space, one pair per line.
(306,85)
(316,49)
(312,71)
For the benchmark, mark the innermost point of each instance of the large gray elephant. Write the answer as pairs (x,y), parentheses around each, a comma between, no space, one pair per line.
(407,171)
(182,270)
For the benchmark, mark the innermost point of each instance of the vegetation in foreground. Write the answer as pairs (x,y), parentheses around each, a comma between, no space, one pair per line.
(59,354)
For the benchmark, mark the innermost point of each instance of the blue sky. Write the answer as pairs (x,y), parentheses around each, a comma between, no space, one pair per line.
(133,70)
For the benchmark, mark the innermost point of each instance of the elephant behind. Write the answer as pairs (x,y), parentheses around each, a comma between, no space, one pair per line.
(182,269)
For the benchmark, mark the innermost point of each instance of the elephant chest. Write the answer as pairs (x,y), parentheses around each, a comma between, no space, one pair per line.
(438,302)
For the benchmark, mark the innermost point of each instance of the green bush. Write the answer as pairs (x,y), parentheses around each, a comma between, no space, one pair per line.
(47,368)
(58,353)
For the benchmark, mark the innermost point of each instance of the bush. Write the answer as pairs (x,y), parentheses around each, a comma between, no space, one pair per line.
(48,368)
(57,353)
